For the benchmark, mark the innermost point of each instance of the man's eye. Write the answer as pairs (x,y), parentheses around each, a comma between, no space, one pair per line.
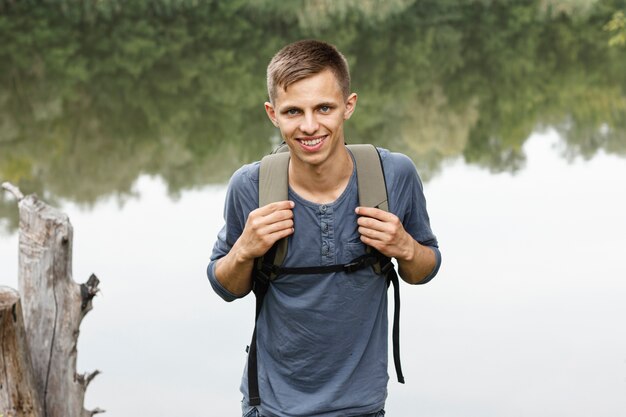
(325,109)
(292,112)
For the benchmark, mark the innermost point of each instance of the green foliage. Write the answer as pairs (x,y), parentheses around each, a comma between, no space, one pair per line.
(617,27)
(95,93)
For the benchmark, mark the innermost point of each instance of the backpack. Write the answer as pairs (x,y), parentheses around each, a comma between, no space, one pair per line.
(274,186)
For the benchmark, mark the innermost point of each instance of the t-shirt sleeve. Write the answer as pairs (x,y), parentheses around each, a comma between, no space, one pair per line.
(406,200)
(241,198)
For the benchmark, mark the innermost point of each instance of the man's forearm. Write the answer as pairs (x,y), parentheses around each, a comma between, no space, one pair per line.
(418,265)
(234,273)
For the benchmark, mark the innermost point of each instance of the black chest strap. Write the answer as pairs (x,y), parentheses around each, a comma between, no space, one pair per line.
(269,271)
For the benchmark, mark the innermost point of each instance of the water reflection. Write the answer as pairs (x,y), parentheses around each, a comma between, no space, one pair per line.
(93,97)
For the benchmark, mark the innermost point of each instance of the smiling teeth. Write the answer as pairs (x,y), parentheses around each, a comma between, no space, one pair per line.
(312,142)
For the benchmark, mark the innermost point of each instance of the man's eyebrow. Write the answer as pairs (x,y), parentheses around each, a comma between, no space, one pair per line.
(288,107)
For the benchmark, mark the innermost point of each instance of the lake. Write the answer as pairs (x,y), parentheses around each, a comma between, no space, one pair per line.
(132,119)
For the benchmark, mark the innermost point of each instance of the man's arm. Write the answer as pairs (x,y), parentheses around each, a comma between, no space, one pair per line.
(384,232)
(264,227)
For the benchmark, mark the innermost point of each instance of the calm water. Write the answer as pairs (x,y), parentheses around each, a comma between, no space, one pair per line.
(132,122)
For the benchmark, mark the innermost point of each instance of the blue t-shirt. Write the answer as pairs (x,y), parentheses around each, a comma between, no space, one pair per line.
(322,338)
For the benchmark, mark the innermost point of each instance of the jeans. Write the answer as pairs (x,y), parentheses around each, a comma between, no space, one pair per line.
(253,412)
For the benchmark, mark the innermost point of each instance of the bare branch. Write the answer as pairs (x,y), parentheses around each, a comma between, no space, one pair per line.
(88,290)
(90,376)
(13,190)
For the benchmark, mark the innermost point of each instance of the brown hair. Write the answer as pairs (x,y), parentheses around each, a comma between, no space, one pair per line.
(302,59)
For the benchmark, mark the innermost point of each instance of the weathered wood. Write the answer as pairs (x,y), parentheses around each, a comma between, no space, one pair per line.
(18,395)
(53,306)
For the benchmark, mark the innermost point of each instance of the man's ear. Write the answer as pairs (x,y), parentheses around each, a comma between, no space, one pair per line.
(350,106)
(271,113)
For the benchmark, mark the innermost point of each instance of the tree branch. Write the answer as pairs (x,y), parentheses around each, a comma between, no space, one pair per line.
(13,190)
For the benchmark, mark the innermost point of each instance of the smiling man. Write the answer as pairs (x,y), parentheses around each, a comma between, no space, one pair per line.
(321,338)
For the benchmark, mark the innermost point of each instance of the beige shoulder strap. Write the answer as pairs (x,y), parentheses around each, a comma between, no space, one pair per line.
(371,182)
(274,186)
(370,176)
(274,178)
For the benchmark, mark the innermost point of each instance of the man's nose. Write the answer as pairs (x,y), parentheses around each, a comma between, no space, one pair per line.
(309,124)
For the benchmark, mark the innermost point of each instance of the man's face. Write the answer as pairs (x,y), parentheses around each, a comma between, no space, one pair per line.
(310,116)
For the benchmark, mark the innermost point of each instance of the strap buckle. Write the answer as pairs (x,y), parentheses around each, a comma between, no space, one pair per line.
(265,272)
(262,276)
(384,269)
(352,266)
(360,263)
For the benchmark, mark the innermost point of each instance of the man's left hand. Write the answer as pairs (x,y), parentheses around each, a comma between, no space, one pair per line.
(384,232)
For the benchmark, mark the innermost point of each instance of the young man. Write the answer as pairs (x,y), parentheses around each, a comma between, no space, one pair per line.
(321,338)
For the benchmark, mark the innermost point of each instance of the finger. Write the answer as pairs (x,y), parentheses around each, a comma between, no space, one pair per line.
(277,227)
(274,237)
(275,206)
(278,216)
(374,224)
(374,234)
(284,233)
(258,221)
(262,239)
(385,249)
(374,213)
(376,244)
(368,233)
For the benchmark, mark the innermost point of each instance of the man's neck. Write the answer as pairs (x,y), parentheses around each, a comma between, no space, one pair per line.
(322,183)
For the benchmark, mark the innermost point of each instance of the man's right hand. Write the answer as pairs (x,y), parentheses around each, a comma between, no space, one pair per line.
(264,227)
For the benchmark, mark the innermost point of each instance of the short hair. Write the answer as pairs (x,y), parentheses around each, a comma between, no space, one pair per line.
(302,59)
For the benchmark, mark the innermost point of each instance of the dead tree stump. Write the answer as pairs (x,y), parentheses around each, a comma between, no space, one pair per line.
(18,396)
(53,306)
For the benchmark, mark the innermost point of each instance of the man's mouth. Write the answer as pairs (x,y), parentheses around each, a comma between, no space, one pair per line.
(311,142)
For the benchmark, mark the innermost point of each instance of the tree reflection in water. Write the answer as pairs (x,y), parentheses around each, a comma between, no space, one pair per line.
(93,94)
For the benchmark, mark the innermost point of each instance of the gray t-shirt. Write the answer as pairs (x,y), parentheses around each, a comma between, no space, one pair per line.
(322,339)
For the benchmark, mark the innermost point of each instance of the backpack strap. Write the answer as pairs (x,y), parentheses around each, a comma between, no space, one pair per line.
(274,186)
(373,193)
(370,176)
